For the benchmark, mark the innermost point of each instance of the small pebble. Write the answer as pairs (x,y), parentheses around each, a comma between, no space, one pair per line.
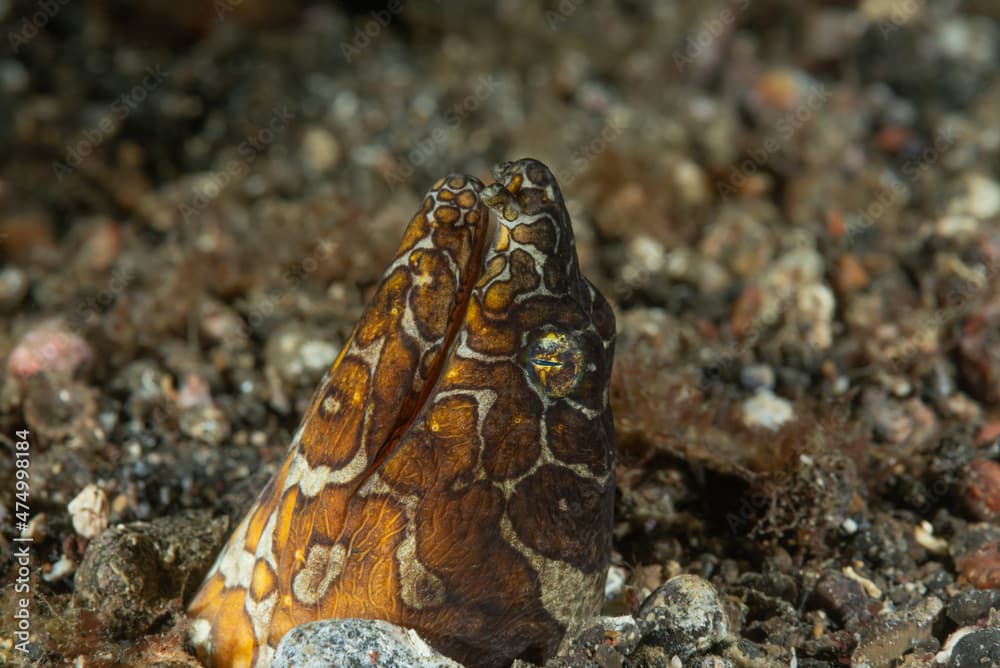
(902,421)
(320,149)
(13,287)
(90,511)
(621,632)
(923,533)
(983,197)
(14,78)
(298,356)
(895,633)
(101,244)
(958,227)
(615,582)
(317,356)
(982,489)
(50,348)
(356,643)
(132,573)
(645,258)
(606,641)
(37,528)
(779,90)
(757,376)
(684,616)
(841,597)
(981,566)
(892,12)
(979,339)
(870,587)
(206,423)
(194,392)
(969,606)
(712,662)
(767,411)
(60,569)
(989,433)
(221,323)
(850,275)
(58,410)
(815,306)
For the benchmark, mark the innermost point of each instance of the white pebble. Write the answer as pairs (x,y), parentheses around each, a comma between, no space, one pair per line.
(766,410)
(615,583)
(90,511)
(61,569)
(923,533)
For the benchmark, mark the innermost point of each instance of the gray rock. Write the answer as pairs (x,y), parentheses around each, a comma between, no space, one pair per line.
(684,616)
(356,643)
(131,573)
(969,606)
(712,662)
(971,647)
(841,597)
(604,643)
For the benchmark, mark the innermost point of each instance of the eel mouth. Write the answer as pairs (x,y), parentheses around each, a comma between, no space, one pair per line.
(501,205)
(493,201)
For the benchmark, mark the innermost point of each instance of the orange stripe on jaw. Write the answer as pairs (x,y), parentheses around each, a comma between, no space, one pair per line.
(207,601)
(263,582)
(283,526)
(232,632)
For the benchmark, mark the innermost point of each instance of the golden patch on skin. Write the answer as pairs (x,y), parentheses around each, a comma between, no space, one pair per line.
(513,185)
(258,520)
(498,296)
(454,473)
(446,215)
(467,199)
(503,239)
(452,420)
(494,267)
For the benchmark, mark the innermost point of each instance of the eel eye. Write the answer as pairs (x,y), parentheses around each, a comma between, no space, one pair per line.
(556,363)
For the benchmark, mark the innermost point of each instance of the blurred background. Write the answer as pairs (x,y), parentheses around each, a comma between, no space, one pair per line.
(793,207)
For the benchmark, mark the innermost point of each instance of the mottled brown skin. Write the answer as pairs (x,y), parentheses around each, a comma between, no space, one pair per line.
(454,472)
